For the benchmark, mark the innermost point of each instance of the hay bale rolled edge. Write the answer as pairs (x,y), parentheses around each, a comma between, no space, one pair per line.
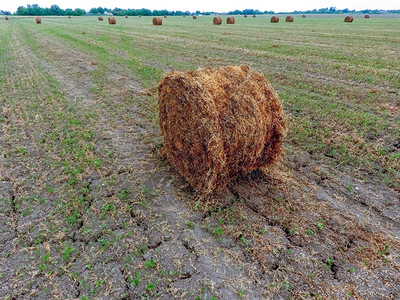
(230,20)
(274,19)
(157,21)
(194,17)
(218,124)
(38,20)
(111,21)
(289,19)
(100,18)
(217,21)
(348,19)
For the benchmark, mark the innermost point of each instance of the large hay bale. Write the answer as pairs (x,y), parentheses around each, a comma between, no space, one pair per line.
(217,21)
(218,124)
(100,18)
(194,17)
(303,16)
(230,20)
(157,21)
(289,19)
(367,16)
(38,20)
(274,19)
(348,19)
(111,20)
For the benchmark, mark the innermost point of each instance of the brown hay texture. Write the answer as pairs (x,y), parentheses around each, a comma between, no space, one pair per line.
(69,17)
(348,19)
(157,21)
(254,16)
(230,20)
(274,19)
(100,18)
(304,16)
(245,16)
(219,123)
(165,16)
(111,21)
(217,21)
(289,19)
(367,16)
(126,17)
(6,18)
(38,20)
(194,17)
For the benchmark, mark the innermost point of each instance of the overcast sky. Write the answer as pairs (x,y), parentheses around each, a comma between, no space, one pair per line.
(207,5)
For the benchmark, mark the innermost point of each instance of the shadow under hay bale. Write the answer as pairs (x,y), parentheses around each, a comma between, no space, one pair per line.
(274,19)
(100,18)
(218,124)
(157,21)
(367,16)
(289,19)
(38,20)
(230,20)
(348,19)
(111,21)
(217,21)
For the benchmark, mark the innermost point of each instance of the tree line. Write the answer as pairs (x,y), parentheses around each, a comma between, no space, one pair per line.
(55,10)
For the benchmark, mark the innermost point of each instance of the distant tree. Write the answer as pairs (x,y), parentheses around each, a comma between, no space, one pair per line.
(79,12)
(94,11)
(101,10)
(69,12)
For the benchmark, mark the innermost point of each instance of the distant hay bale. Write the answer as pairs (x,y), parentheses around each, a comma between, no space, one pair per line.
(100,18)
(6,18)
(348,19)
(274,19)
(165,16)
(230,20)
(38,20)
(217,21)
(254,16)
(140,16)
(303,16)
(289,19)
(126,17)
(69,17)
(245,16)
(367,16)
(111,20)
(218,124)
(194,17)
(184,16)
(157,21)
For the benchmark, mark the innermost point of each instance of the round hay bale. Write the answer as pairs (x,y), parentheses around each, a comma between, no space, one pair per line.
(245,16)
(289,19)
(111,20)
(100,18)
(6,18)
(230,20)
(69,17)
(194,17)
(126,17)
(274,19)
(165,16)
(140,16)
(217,21)
(218,124)
(303,16)
(348,19)
(38,20)
(254,16)
(157,21)
(367,16)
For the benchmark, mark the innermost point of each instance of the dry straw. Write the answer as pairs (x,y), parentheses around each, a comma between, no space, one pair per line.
(218,124)
(254,16)
(111,21)
(348,19)
(100,18)
(38,20)
(367,16)
(230,20)
(245,16)
(195,17)
(274,19)
(69,17)
(157,21)
(217,21)
(6,18)
(303,16)
(126,17)
(289,19)
(165,16)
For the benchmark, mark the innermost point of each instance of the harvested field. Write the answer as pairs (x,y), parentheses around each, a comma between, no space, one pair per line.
(91,208)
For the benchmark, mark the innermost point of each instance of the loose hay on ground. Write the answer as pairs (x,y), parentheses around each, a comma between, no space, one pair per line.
(218,124)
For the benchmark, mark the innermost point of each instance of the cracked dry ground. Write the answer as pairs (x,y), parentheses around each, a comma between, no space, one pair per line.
(90,210)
